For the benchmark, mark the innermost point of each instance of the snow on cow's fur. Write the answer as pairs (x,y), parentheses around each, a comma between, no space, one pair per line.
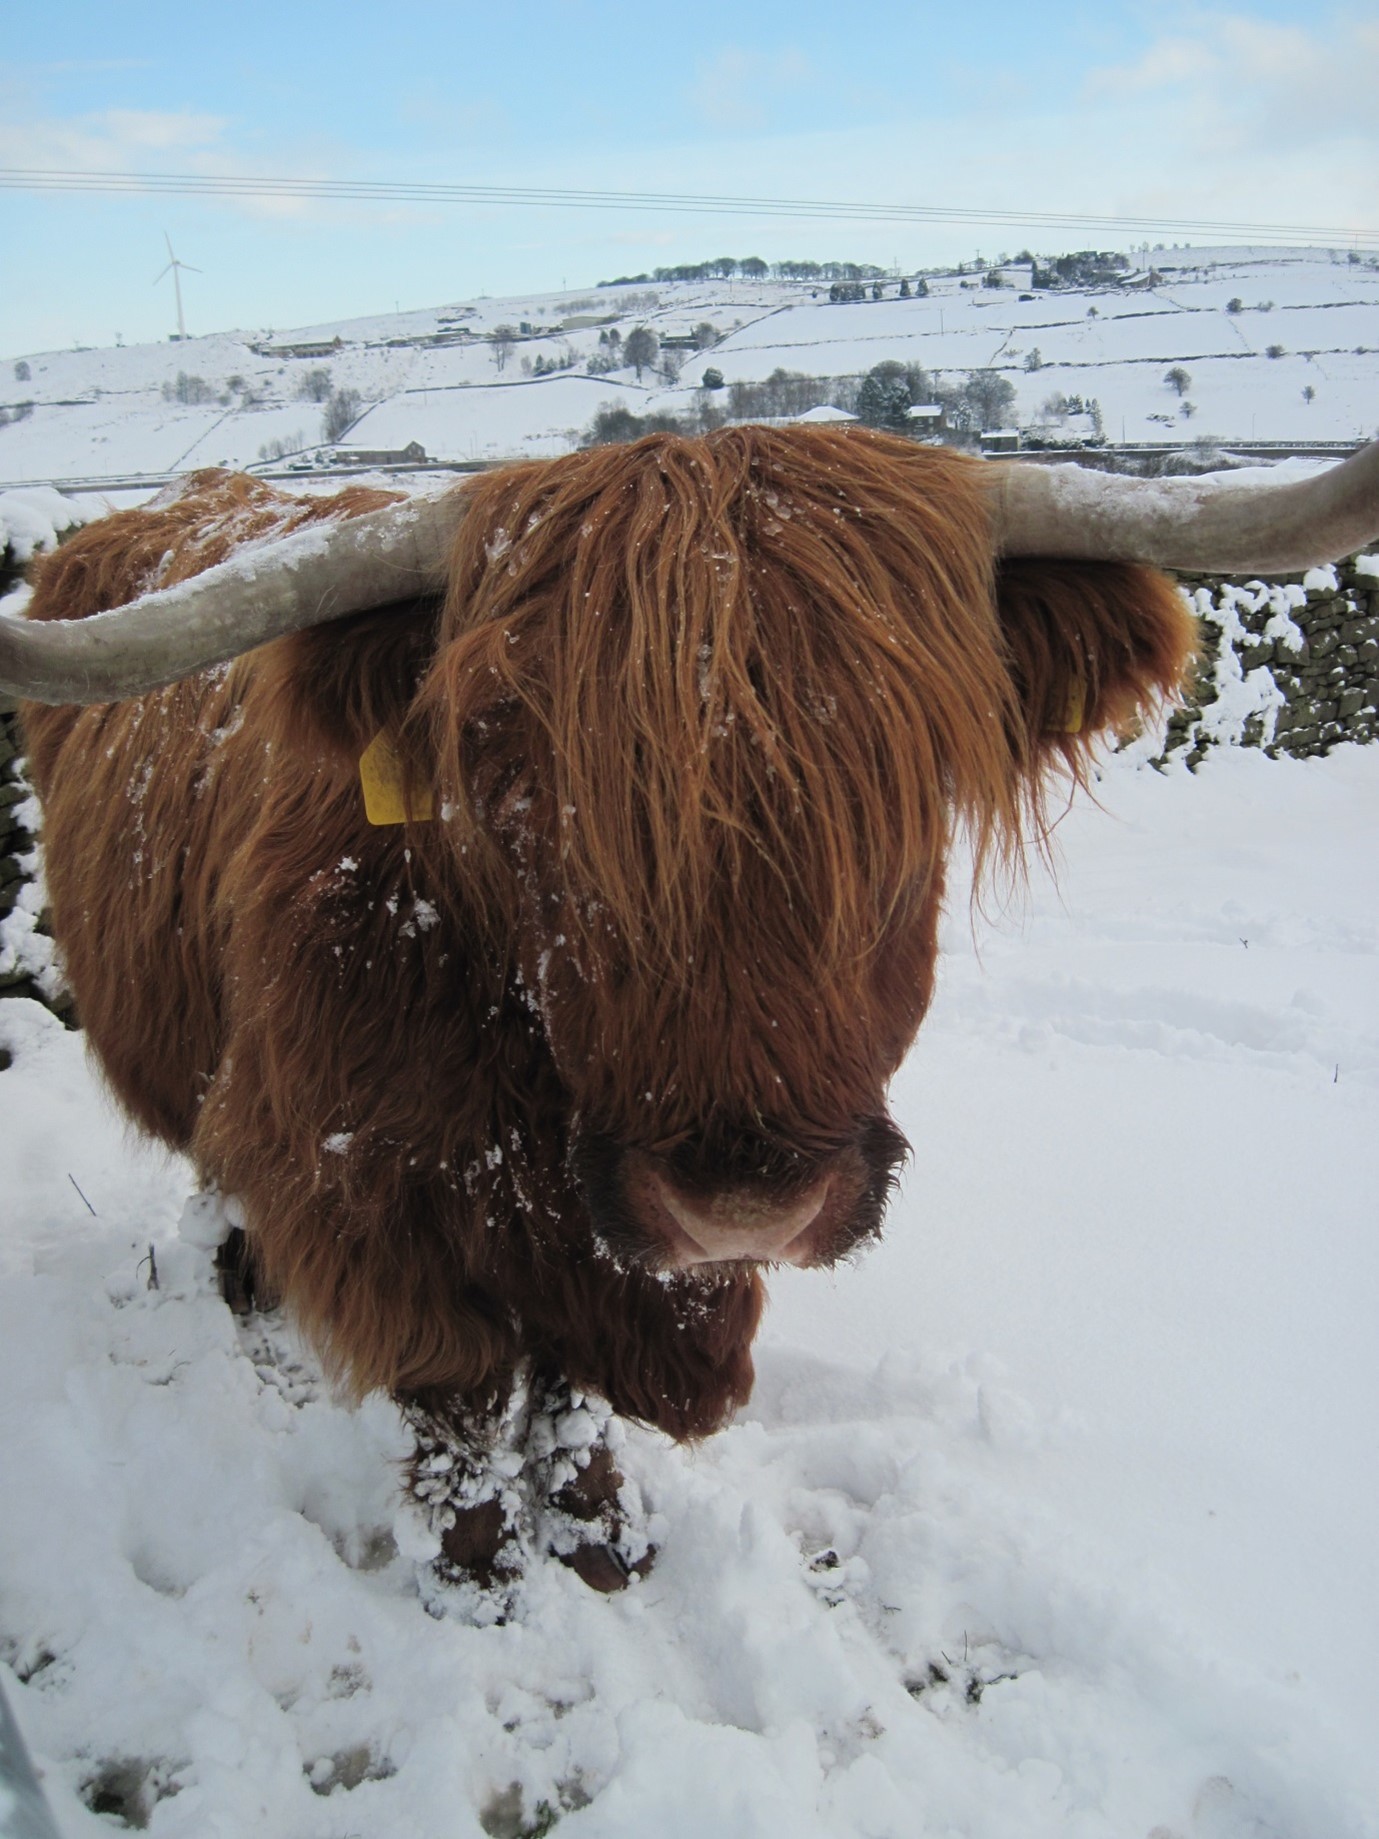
(520,1096)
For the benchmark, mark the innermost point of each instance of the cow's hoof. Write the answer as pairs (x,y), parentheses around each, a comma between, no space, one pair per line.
(477,1575)
(589,1528)
(604,1568)
(237,1275)
(480,1546)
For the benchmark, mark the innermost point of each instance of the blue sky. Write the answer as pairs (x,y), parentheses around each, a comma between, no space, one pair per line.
(1252,113)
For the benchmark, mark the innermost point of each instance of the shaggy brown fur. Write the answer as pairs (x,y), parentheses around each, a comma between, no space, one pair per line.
(698,717)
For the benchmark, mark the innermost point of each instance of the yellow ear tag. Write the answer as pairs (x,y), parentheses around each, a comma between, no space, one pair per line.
(385,789)
(1075,709)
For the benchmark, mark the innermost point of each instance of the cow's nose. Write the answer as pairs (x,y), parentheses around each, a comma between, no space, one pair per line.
(741,1225)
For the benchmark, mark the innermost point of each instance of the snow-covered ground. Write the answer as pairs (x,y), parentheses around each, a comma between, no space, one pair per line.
(96,413)
(1058,1516)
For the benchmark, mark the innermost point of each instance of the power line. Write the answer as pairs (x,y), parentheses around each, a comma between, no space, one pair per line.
(249,186)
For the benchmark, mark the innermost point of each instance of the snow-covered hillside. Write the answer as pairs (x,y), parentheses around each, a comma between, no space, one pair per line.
(433,377)
(1058,1516)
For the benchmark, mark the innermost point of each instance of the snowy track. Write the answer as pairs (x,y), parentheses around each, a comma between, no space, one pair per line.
(1057,1516)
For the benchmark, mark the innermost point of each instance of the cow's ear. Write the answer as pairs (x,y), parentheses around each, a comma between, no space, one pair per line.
(1091,646)
(340,686)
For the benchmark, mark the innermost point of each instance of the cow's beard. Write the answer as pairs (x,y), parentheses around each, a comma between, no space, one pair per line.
(862,1171)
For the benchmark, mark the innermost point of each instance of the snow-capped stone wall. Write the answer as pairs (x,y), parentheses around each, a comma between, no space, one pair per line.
(27,966)
(1290,665)
(31,520)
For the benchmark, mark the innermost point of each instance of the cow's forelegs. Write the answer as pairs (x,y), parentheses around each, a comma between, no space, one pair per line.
(535,1474)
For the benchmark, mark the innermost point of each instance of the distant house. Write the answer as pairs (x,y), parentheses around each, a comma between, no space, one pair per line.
(312,348)
(929,414)
(410,455)
(1000,440)
(825,412)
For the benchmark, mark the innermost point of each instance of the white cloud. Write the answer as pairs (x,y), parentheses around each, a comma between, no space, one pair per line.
(736,88)
(113,140)
(1168,64)
(150,130)
(149,141)
(1237,65)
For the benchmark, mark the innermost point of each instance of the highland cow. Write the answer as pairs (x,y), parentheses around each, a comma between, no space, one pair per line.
(528,948)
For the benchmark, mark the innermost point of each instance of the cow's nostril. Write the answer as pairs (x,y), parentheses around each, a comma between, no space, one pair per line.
(740,1225)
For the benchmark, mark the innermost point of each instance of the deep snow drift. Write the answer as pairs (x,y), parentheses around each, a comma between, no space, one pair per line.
(1057,1516)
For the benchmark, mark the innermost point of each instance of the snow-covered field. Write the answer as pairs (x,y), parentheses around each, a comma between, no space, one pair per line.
(1057,1516)
(96,413)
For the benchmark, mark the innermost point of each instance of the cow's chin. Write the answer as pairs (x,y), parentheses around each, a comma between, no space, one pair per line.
(650,1210)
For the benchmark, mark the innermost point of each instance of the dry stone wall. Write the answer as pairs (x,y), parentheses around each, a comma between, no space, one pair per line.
(1290,665)
(27,965)
(31,520)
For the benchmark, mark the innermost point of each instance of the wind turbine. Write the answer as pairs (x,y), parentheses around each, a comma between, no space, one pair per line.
(172,268)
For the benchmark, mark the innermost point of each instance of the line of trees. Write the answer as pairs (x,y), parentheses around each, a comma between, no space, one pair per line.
(752,268)
(974,403)
(883,398)
(281,445)
(192,390)
(1079,268)
(1083,268)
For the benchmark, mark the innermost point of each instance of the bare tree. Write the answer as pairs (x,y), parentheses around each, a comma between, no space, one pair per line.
(501,340)
(1178,379)
(314,386)
(992,397)
(187,389)
(281,445)
(342,411)
(640,348)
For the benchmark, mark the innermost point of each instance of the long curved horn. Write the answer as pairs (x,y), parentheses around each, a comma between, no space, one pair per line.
(1218,524)
(321,573)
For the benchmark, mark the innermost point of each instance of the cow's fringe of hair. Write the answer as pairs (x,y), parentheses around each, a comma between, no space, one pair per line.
(782,644)
(769,648)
